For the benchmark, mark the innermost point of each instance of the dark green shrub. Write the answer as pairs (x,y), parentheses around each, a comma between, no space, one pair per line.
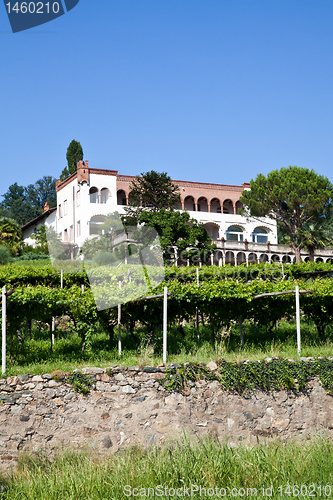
(5,255)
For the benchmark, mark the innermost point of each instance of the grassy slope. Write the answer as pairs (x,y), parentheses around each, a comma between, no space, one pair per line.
(82,476)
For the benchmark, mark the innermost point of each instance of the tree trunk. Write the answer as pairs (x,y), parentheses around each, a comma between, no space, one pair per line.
(311,254)
(297,251)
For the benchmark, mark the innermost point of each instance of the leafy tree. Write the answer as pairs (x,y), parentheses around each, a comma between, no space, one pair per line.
(315,236)
(43,191)
(294,196)
(10,234)
(74,155)
(41,239)
(177,229)
(25,203)
(16,206)
(152,191)
(103,242)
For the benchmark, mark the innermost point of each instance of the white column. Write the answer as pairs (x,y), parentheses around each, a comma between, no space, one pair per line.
(119,325)
(4,297)
(298,321)
(165,322)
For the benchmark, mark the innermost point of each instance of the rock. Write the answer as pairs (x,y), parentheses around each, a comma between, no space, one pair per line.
(174,365)
(24,418)
(150,369)
(16,409)
(91,370)
(53,383)
(203,424)
(8,399)
(208,394)
(106,442)
(212,366)
(23,378)
(48,438)
(114,388)
(50,393)
(162,426)
(58,401)
(120,377)
(127,389)
(105,377)
(133,368)
(193,391)
(47,376)
(280,424)
(230,423)
(105,415)
(123,437)
(12,446)
(69,396)
(128,415)
(88,432)
(214,386)
(140,399)
(6,457)
(37,378)
(8,388)
(151,438)
(103,387)
(12,381)
(58,375)
(268,360)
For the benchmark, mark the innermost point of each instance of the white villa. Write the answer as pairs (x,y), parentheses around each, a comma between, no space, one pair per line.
(86,197)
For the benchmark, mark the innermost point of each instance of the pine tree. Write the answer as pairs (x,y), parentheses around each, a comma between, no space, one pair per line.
(74,155)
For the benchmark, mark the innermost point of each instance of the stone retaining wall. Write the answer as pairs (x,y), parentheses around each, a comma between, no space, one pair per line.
(130,406)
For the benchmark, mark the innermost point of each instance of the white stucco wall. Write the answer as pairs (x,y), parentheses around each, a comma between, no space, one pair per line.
(85,210)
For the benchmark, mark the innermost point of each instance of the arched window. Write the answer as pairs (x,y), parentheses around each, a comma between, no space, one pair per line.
(121,197)
(104,195)
(189,203)
(213,230)
(239,205)
(93,195)
(215,206)
(228,207)
(235,233)
(202,205)
(94,224)
(259,235)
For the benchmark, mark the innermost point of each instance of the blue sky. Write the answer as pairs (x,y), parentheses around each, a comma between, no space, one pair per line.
(206,90)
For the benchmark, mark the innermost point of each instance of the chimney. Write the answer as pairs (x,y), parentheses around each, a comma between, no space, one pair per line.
(82,172)
(46,207)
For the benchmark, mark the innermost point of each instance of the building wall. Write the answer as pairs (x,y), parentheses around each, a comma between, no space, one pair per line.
(27,234)
(75,219)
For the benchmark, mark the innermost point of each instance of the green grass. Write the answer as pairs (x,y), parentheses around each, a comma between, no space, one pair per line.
(34,356)
(76,476)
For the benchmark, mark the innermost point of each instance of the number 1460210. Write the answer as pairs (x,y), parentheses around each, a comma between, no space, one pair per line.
(33,7)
